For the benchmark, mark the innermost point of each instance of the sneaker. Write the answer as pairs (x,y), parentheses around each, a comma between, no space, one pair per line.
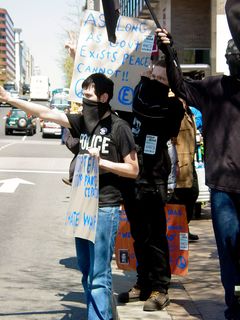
(67,181)
(132,295)
(156,301)
(193,237)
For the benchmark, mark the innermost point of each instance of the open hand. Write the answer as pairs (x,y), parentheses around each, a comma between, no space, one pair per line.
(71,44)
(4,95)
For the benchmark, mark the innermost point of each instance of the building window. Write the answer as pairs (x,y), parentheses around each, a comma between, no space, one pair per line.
(196,56)
(131,8)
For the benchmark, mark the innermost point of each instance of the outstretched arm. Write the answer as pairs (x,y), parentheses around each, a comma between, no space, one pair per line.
(36,109)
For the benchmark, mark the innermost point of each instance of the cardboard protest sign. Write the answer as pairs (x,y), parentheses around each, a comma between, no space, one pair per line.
(122,61)
(82,214)
(124,251)
(177,235)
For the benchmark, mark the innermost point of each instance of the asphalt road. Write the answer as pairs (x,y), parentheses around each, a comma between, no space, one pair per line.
(38,274)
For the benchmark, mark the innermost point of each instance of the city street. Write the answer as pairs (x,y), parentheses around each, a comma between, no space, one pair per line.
(38,273)
(38,276)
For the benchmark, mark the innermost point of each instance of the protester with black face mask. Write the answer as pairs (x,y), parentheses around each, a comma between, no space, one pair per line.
(102,134)
(156,119)
(218,98)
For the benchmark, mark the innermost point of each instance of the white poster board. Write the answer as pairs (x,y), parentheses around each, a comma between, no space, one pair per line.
(123,61)
(82,214)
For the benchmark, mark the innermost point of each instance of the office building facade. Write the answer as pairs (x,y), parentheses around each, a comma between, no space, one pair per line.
(7,47)
(199,29)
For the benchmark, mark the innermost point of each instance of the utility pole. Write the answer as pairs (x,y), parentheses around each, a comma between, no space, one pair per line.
(17,58)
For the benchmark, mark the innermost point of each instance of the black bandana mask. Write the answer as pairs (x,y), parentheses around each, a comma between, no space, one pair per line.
(93,111)
(158,89)
(153,93)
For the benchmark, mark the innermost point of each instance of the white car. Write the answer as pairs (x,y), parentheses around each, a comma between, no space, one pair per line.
(50,128)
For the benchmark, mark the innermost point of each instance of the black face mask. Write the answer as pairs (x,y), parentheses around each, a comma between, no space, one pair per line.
(93,111)
(233,61)
(158,89)
(149,103)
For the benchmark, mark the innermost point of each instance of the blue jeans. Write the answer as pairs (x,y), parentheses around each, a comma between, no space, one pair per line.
(226,224)
(94,261)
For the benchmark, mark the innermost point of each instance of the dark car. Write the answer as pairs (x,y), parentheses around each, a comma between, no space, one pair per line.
(19,120)
(26,88)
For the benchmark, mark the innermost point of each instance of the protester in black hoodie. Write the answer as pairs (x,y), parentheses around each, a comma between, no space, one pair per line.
(156,118)
(218,98)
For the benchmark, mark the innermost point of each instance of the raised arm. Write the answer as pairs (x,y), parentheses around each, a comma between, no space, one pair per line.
(174,72)
(71,45)
(189,90)
(36,109)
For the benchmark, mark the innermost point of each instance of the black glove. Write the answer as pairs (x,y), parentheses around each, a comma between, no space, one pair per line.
(163,46)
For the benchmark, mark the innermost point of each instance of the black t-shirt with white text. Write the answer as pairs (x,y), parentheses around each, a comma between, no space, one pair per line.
(114,138)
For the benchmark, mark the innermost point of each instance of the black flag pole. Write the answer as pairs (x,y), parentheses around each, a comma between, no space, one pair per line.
(154,17)
(111,13)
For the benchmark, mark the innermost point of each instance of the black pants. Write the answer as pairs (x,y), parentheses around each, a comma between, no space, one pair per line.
(147,220)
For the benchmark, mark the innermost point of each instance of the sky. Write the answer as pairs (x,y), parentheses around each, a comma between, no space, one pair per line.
(44,24)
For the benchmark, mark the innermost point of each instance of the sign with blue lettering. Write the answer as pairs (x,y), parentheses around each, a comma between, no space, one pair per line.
(82,214)
(122,61)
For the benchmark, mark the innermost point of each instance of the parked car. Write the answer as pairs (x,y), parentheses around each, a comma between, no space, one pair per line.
(19,120)
(50,128)
(26,88)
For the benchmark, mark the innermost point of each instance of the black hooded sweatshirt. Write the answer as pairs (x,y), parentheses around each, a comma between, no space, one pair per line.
(218,98)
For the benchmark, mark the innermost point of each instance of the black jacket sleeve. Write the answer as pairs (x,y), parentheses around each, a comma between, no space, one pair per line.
(191,91)
(71,143)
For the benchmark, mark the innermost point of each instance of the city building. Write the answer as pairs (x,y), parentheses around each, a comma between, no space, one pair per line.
(16,61)
(7,47)
(199,29)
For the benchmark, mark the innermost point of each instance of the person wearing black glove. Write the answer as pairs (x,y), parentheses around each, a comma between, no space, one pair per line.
(218,98)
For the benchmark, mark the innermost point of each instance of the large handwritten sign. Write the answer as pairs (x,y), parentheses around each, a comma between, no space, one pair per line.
(122,61)
(82,214)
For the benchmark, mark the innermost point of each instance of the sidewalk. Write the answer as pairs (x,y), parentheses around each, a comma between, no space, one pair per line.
(199,295)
